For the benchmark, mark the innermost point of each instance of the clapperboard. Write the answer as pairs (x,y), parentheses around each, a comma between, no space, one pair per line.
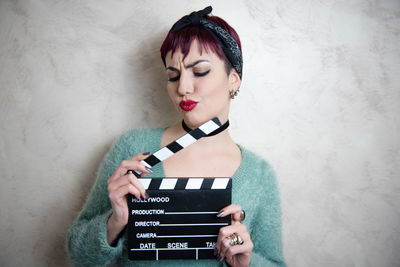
(178,220)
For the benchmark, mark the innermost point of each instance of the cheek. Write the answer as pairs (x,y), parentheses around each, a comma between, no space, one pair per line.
(171,93)
(170,89)
(216,88)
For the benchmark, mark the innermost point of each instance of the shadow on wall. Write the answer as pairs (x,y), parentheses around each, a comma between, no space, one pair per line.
(156,110)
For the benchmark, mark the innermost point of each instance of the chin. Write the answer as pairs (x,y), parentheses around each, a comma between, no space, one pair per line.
(194,121)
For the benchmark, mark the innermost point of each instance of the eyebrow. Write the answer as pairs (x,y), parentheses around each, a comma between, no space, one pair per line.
(191,65)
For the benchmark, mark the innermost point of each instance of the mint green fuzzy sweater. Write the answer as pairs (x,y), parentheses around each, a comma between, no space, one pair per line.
(254,188)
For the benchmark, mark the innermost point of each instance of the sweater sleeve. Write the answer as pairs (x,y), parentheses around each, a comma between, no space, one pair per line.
(87,237)
(266,226)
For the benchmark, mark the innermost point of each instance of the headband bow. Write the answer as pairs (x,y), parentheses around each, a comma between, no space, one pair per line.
(228,44)
(193,18)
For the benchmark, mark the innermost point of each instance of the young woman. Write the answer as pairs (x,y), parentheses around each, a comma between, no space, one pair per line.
(202,56)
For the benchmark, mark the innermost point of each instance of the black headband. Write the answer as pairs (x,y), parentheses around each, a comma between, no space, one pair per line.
(228,44)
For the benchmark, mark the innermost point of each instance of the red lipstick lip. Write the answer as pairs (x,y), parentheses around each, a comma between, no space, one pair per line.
(187,105)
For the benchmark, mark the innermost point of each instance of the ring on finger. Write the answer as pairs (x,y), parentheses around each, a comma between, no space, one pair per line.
(239,239)
(233,239)
(242,215)
(236,239)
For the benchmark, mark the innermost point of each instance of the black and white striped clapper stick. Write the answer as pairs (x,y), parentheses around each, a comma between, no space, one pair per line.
(180,143)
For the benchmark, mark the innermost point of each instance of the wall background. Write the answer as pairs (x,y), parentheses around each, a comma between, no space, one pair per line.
(321,84)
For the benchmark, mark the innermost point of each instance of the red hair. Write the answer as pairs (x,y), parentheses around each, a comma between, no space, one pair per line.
(183,39)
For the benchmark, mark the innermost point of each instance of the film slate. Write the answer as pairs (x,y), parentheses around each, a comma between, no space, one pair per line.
(178,220)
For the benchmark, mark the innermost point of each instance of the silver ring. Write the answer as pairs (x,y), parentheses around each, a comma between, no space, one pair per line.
(233,239)
(236,239)
(242,216)
(239,239)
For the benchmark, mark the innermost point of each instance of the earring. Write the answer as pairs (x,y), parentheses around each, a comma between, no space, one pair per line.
(233,94)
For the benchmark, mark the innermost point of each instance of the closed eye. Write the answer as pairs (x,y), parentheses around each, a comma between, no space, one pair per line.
(174,79)
(200,74)
(197,74)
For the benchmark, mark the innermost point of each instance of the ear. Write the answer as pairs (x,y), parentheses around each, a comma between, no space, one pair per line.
(234,80)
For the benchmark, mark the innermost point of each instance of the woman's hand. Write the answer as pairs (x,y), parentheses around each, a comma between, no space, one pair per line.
(234,254)
(120,185)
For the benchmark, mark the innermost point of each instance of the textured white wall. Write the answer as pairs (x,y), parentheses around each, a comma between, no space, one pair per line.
(319,100)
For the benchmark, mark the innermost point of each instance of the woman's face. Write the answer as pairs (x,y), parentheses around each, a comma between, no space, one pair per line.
(199,85)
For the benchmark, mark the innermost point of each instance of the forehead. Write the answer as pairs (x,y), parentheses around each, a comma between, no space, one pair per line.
(196,52)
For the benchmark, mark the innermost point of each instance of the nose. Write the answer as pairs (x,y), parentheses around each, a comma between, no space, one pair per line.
(185,84)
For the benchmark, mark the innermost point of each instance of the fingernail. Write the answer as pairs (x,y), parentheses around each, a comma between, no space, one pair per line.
(146,196)
(129,172)
(146,153)
(220,213)
(149,169)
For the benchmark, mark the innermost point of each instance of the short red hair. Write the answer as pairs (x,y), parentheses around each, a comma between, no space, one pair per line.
(183,39)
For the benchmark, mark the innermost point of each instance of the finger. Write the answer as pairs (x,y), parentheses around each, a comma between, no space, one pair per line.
(117,173)
(138,185)
(234,210)
(131,164)
(141,156)
(219,244)
(225,233)
(232,251)
(117,183)
(122,191)
(229,250)
(125,180)
(126,165)
(225,244)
